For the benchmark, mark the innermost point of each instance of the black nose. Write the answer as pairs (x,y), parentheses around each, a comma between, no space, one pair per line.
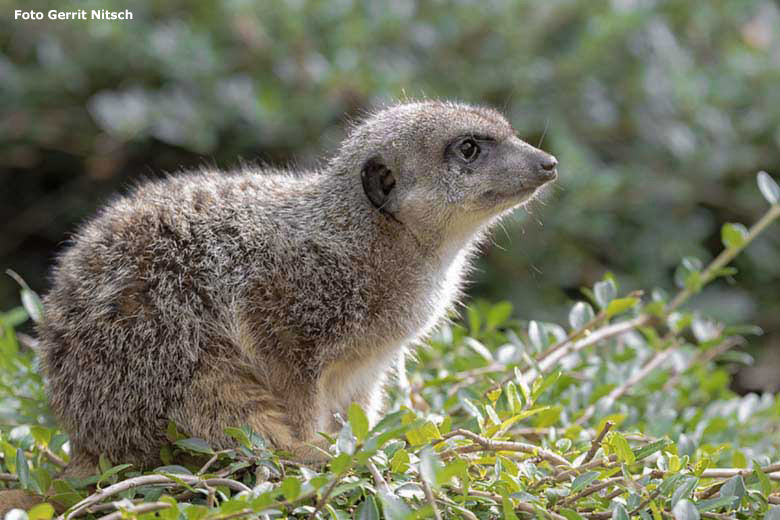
(549,163)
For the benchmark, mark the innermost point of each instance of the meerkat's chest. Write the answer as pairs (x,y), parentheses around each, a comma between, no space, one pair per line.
(364,370)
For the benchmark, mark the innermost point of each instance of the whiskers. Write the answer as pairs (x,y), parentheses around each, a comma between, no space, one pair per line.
(544,133)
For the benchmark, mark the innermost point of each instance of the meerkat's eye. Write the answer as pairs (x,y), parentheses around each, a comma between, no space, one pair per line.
(469,149)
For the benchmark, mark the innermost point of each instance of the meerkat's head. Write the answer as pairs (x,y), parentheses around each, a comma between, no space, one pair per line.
(444,170)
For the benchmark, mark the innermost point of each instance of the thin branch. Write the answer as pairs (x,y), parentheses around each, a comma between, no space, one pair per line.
(113,506)
(53,457)
(430,498)
(645,502)
(211,461)
(635,378)
(595,443)
(725,257)
(773,472)
(709,273)
(136,510)
(8,477)
(521,506)
(703,357)
(603,463)
(324,498)
(147,480)
(381,483)
(491,445)
(460,509)
(592,489)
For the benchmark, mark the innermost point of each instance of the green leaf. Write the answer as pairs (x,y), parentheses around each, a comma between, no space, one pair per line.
(620,305)
(479,349)
(763,480)
(475,321)
(570,514)
(548,416)
(734,487)
(400,461)
(604,291)
(291,488)
(616,443)
(540,385)
(41,435)
(430,465)
(22,469)
(42,511)
(733,235)
(768,187)
(619,512)
(714,503)
(650,448)
(580,314)
(582,481)
(240,436)
(538,335)
(498,314)
(368,510)
(340,463)
(423,434)
(113,471)
(456,468)
(32,304)
(508,509)
(195,445)
(195,512)
(685,510)
(393,507)
(773,513)
(172,433)
(103,463)
(684,489)
(513,399)
(523,385)
(358,421)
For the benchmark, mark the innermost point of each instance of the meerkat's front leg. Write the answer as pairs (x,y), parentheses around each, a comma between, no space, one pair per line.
(293,421)
(287,410)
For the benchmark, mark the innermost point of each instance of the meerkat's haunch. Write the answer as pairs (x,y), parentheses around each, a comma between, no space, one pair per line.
(273,299)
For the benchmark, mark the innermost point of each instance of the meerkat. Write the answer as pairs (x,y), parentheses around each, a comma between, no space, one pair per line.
(273,298)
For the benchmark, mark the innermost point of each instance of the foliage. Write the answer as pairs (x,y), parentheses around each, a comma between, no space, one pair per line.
(657,111)
(625,413)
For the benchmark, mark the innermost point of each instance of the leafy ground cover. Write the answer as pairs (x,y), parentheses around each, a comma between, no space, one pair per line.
(624,412)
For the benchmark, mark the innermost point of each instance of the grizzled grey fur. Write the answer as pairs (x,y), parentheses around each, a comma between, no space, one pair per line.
(273,298)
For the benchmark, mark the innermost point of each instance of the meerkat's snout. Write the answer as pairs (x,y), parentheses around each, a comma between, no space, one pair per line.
(540,167)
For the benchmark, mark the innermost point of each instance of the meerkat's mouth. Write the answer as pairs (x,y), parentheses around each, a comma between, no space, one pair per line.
(498,197)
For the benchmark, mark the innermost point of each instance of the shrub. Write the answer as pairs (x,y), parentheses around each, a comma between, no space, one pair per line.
(625,413)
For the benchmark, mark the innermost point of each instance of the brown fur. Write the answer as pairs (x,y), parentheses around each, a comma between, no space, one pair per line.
(271,298)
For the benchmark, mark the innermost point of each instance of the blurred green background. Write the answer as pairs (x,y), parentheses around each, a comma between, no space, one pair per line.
(659,112)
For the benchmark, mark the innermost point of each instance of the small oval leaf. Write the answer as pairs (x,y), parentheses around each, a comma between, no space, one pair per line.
(733,235)
(685,510)
(195,445)
(605,291)
(580,314)
(769,188)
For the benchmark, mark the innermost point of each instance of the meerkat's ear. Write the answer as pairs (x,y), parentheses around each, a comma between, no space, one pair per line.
(378,181)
